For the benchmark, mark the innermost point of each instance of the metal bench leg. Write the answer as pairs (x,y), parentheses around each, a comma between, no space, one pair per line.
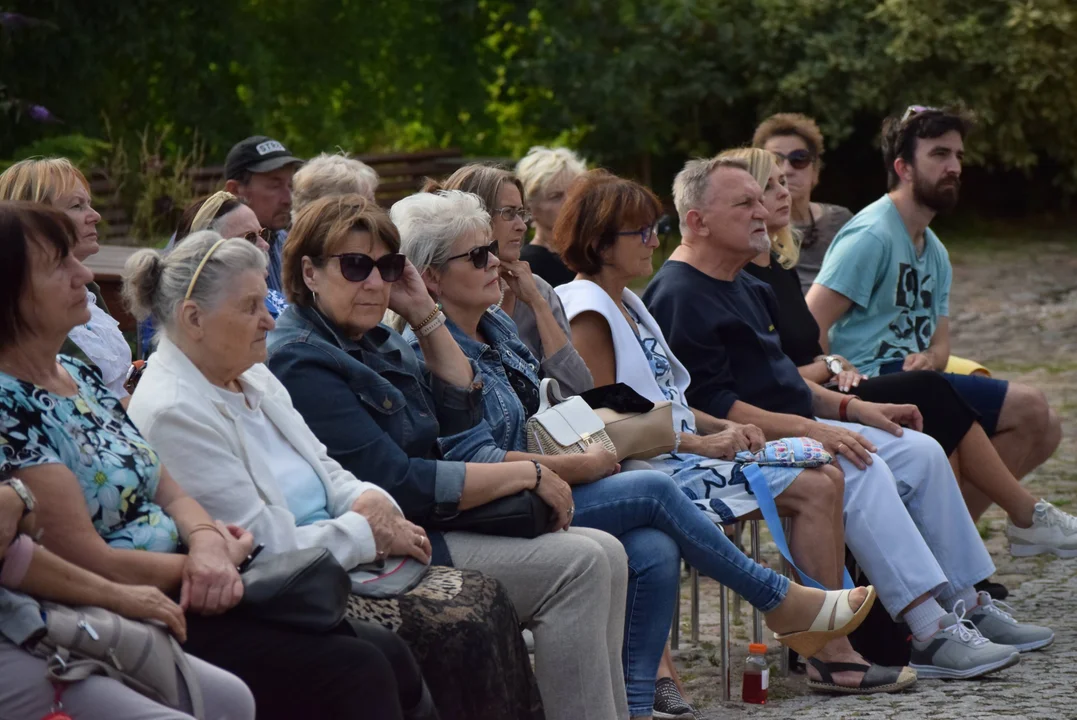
(695,607)
(757,616)
(675,631)
(738,542)
(723,611)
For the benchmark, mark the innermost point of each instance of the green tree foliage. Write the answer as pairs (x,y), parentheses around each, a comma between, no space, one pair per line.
(635,84)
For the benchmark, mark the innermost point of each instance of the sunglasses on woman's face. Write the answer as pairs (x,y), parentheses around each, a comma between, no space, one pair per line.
(356,267)
(255,235)
(479,256)
(799,159)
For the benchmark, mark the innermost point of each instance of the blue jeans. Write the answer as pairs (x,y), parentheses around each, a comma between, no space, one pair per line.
(626,503)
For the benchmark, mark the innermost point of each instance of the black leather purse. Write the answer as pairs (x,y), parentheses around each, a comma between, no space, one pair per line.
(306,589)
(523,515)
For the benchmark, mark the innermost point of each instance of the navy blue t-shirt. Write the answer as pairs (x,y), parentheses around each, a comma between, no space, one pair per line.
(724,333)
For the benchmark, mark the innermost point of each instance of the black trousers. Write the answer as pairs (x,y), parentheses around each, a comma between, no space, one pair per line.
(361,671)
(947,417)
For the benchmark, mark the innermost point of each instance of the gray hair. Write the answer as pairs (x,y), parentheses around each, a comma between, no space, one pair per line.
(542,165)
(692,182)
(156,285)
(332,175)
(429,224)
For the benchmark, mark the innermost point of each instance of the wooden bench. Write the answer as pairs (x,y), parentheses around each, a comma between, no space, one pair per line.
(401,174)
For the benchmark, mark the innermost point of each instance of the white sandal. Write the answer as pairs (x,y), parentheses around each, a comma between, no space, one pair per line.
(835,619)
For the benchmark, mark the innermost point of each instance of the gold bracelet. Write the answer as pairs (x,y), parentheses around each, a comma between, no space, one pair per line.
(429,318)
(204,526)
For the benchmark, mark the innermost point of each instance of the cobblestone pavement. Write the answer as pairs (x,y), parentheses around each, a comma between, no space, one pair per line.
(1016,313)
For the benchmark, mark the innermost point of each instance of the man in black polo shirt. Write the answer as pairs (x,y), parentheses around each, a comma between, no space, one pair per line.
(905,518)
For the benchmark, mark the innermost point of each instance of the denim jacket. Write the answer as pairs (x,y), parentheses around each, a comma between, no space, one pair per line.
(377,409)
(504,416)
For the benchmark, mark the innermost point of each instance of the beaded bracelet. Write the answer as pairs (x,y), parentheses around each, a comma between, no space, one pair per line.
(429,318)
(431,326)
(538,475)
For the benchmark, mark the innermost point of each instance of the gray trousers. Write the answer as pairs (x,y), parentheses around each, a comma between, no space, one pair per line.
(569,589)
(25,694)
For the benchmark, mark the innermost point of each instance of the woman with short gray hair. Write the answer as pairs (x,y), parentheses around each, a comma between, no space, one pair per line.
(332,175)
(229,431)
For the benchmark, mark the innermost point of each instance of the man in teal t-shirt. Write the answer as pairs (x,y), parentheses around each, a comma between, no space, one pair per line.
(898,291)
(882,297)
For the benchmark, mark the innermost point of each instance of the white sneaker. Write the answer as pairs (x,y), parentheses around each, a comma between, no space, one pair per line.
(1052,531)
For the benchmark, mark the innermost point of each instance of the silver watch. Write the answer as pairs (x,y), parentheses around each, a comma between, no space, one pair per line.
(833,364)
(24,494)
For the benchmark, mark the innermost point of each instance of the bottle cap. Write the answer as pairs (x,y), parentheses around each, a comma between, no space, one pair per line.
(757,649)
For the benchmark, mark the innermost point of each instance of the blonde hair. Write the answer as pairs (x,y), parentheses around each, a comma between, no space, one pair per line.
(332,175)
(543,165)
(783,243)
(691,184)
(41,180)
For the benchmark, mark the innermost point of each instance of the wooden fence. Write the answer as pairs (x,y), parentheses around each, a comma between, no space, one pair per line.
(401,174)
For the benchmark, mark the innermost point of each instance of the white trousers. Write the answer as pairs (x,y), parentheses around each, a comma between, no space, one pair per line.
(906,522)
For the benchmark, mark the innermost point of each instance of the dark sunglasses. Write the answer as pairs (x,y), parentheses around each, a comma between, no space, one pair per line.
(479,256)
(799,159)
(356,267)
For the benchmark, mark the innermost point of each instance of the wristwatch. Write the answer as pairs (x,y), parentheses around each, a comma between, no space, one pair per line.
(24,494)
(833,364)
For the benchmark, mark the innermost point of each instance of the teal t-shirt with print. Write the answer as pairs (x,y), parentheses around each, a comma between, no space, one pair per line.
(92,436)
(898,296)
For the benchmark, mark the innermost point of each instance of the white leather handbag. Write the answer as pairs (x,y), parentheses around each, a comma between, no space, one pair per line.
(564,426)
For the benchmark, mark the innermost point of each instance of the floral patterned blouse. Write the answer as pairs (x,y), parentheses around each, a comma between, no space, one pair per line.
(92,436)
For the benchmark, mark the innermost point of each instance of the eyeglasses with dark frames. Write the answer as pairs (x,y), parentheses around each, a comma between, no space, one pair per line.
(644,233)
(508,212)
(479,255)
(356,267)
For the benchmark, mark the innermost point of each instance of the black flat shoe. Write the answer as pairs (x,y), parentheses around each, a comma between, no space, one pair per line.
(877,678)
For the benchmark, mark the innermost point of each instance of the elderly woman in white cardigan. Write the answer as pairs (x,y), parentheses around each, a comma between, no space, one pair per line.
(227,429)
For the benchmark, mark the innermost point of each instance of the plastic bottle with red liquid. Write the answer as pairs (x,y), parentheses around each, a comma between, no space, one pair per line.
(756,675)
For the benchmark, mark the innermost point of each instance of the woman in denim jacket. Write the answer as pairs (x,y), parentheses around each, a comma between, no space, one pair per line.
(379,412)
(645,509)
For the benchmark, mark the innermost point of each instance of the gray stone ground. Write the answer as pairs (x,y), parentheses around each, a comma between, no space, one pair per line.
(1016,313)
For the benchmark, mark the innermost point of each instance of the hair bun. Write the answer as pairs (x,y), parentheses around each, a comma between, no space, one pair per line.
(141,279)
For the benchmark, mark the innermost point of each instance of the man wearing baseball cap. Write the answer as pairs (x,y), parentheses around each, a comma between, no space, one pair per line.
(259,170)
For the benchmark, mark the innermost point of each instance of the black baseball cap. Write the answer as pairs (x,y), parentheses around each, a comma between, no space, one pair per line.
(256,154)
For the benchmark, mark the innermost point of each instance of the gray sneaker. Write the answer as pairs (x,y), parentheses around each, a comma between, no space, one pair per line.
(994,621)
(1052,531)
(958,651)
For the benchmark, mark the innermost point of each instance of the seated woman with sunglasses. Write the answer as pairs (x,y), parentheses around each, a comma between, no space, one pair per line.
(104,501)
(228,216)
(56,182)
(528,299)
(227,430)
(379,411)
(796,141)
(644,508)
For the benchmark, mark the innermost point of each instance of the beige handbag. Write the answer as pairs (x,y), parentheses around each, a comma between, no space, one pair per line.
(641,436)
(565,426)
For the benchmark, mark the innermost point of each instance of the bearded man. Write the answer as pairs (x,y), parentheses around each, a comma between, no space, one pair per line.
(882,300)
